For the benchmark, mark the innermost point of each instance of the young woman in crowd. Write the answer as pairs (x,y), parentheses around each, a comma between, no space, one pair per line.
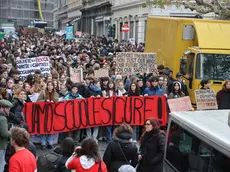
(121,150)
(17,117)
(176,91)
(87,158)
(109,92)
(49,95)
(151,147)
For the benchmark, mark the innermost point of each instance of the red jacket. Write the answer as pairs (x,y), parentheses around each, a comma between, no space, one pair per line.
(83,164)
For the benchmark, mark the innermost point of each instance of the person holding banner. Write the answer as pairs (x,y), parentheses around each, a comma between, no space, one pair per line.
(49,95)
(73,94)
(109,92)
(134,90)
(95,90)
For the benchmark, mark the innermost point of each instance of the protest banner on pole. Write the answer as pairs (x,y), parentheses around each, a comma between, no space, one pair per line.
(180,104)
(205,99)
(29,65)
(129,62)
(102,72)
(49,118)
(76,75)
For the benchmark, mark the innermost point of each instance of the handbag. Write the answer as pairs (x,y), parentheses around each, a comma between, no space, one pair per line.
(123,154)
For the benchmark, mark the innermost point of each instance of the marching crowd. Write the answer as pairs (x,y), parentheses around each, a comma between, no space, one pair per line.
(90,54)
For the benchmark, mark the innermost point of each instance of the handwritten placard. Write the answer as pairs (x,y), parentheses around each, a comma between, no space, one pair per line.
(29,65)
(102,72)
(180,104)
(76,75)
(205,99)
(129,62)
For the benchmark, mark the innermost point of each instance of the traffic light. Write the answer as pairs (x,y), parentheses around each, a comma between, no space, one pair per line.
(113,34)
(110,31)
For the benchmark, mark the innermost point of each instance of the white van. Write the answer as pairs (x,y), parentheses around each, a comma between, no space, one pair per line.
(198,141)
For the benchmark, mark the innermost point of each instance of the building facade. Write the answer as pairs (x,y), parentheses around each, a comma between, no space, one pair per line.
(131,12)
(22,12)
(96,16)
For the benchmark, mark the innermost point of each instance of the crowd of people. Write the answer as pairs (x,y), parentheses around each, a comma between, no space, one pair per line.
(90,54)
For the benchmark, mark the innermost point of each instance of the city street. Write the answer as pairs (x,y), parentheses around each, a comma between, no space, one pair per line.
(102,145)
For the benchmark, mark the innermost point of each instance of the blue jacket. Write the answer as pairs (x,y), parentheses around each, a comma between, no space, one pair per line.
(155,92)
(71,97)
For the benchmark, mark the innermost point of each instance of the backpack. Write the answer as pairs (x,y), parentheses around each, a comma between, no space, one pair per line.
(49,162)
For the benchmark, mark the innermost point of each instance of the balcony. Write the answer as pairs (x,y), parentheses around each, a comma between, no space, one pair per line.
(74,4)
(95,3)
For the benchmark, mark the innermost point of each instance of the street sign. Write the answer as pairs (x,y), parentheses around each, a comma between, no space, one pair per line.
(125,28)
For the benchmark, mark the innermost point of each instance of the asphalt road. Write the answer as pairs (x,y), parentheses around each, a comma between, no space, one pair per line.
(102,145)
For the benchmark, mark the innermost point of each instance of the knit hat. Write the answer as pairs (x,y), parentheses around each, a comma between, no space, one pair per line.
(126,168)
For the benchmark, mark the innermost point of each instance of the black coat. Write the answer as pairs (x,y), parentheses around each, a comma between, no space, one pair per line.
(223,99)
(152,152)
(113,156)
(16,111)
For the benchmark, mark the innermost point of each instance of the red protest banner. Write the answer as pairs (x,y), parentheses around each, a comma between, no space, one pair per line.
(48,118)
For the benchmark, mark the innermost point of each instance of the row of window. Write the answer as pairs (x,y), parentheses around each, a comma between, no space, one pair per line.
(26,4)
(25,14)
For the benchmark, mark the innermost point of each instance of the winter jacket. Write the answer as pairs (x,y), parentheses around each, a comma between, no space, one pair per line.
(95,91)
(152,152)
(223,99)
(84,164)
(113,156)
(153,91)
(84,91)
(16,111)
(4,133)
(71,96)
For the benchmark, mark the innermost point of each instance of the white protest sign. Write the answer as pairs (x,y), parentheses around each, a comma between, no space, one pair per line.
(29,65)
(128,62)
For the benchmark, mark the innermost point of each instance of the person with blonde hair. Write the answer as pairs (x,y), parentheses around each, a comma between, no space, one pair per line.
(16,116)
(121,151)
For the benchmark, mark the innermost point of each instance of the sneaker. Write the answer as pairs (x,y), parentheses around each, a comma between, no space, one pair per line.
(100,138)
(43,147)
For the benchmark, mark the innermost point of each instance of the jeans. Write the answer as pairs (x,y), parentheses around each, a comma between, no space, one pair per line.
(47,139)
(109,133)
(93,135)
(134,133)
(2,159)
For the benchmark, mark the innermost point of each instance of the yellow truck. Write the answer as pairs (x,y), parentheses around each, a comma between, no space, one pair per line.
(199,49)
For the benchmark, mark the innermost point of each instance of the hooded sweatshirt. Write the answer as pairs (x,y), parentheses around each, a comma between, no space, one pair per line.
(83,164)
